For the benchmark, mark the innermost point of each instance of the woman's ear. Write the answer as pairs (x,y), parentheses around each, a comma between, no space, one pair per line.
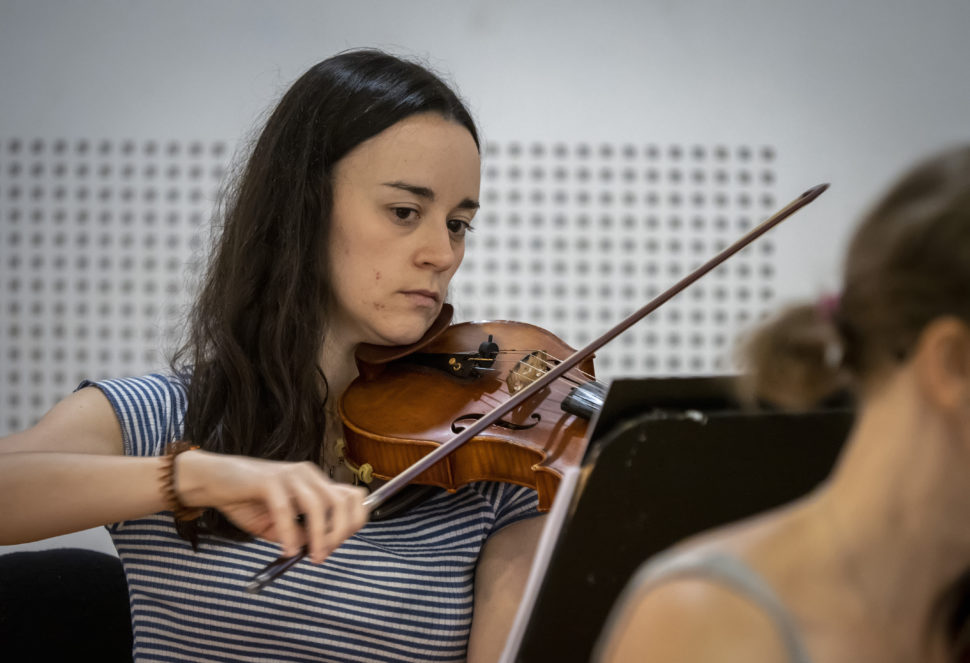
(942,363)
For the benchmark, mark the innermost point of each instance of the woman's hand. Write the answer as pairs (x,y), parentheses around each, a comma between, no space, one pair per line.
(266,498)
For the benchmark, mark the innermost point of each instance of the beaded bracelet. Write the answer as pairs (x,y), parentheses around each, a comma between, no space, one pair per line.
(181,511)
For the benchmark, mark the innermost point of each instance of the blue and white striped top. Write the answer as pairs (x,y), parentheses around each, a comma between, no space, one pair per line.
(398,590)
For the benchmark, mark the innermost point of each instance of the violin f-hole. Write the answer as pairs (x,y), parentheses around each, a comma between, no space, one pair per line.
(456,426)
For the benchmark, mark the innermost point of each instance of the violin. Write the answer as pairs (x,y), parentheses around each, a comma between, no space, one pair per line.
(387,429)
(410,420)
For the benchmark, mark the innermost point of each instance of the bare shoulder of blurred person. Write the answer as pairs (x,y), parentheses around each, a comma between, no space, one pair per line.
(697,609)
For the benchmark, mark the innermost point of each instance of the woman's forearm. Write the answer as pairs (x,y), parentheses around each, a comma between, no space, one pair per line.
(44,494)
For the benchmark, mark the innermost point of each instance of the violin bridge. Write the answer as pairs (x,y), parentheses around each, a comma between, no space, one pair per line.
(527,370)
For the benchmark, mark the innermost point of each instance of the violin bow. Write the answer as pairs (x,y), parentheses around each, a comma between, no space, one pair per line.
(393,486)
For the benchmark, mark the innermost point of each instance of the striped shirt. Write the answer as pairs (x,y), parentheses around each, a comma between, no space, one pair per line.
(398,590)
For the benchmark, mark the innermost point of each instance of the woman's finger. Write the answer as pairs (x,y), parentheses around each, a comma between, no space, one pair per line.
(349,513)
(280,507)
(315,504)
(338,519)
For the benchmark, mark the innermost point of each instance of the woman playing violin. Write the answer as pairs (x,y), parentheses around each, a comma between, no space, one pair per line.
(345,227)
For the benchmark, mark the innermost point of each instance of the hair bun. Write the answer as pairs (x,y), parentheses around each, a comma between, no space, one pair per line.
(794,360)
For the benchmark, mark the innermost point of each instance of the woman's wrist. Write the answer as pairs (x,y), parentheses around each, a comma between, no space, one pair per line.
(183,490)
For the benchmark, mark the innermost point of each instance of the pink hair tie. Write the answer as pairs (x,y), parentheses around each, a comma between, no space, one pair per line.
(828,306)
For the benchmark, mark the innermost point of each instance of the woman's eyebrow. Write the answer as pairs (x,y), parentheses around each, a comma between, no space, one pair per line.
(425,192)
(420,191)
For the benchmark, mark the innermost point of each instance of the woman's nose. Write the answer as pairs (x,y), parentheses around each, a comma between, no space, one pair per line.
(436,248)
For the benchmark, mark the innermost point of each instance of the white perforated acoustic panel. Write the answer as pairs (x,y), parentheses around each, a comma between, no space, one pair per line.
(574,238)
(97,240)
(100,242)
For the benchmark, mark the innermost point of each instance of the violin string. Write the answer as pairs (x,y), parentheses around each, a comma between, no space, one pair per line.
(520,372)
(565,378)
(557,393)
(550,364)
(561,392)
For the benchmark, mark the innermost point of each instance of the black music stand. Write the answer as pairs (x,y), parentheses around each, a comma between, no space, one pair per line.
(668,458)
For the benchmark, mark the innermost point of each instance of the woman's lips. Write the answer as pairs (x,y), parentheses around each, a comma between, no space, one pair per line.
(423,298)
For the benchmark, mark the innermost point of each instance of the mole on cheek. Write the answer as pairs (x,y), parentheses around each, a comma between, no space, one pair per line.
(377,275)
(379,307)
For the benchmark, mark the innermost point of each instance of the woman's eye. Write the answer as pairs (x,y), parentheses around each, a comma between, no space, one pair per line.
(404,213)
(459,226)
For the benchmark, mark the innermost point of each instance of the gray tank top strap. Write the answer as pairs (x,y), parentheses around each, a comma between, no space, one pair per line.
(736,575)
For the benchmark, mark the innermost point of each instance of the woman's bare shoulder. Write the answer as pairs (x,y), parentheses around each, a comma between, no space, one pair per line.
(83,422)
(692,620)
(696,618)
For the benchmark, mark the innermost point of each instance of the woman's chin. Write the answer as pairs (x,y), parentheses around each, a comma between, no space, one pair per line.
(400,335)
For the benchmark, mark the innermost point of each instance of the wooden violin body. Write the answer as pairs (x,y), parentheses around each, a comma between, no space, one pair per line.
(397,413)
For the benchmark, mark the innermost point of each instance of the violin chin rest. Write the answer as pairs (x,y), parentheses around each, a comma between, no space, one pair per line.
(368,353)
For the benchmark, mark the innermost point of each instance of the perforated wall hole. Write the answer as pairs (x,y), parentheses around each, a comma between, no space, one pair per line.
(97,239)
(575,237)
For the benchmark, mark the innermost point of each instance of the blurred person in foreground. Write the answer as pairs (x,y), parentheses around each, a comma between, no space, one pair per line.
(873,565)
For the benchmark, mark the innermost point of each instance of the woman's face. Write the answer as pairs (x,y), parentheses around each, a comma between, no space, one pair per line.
(402,203)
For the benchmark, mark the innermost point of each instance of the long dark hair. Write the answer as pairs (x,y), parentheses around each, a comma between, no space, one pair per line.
(907,264)
(256,330)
